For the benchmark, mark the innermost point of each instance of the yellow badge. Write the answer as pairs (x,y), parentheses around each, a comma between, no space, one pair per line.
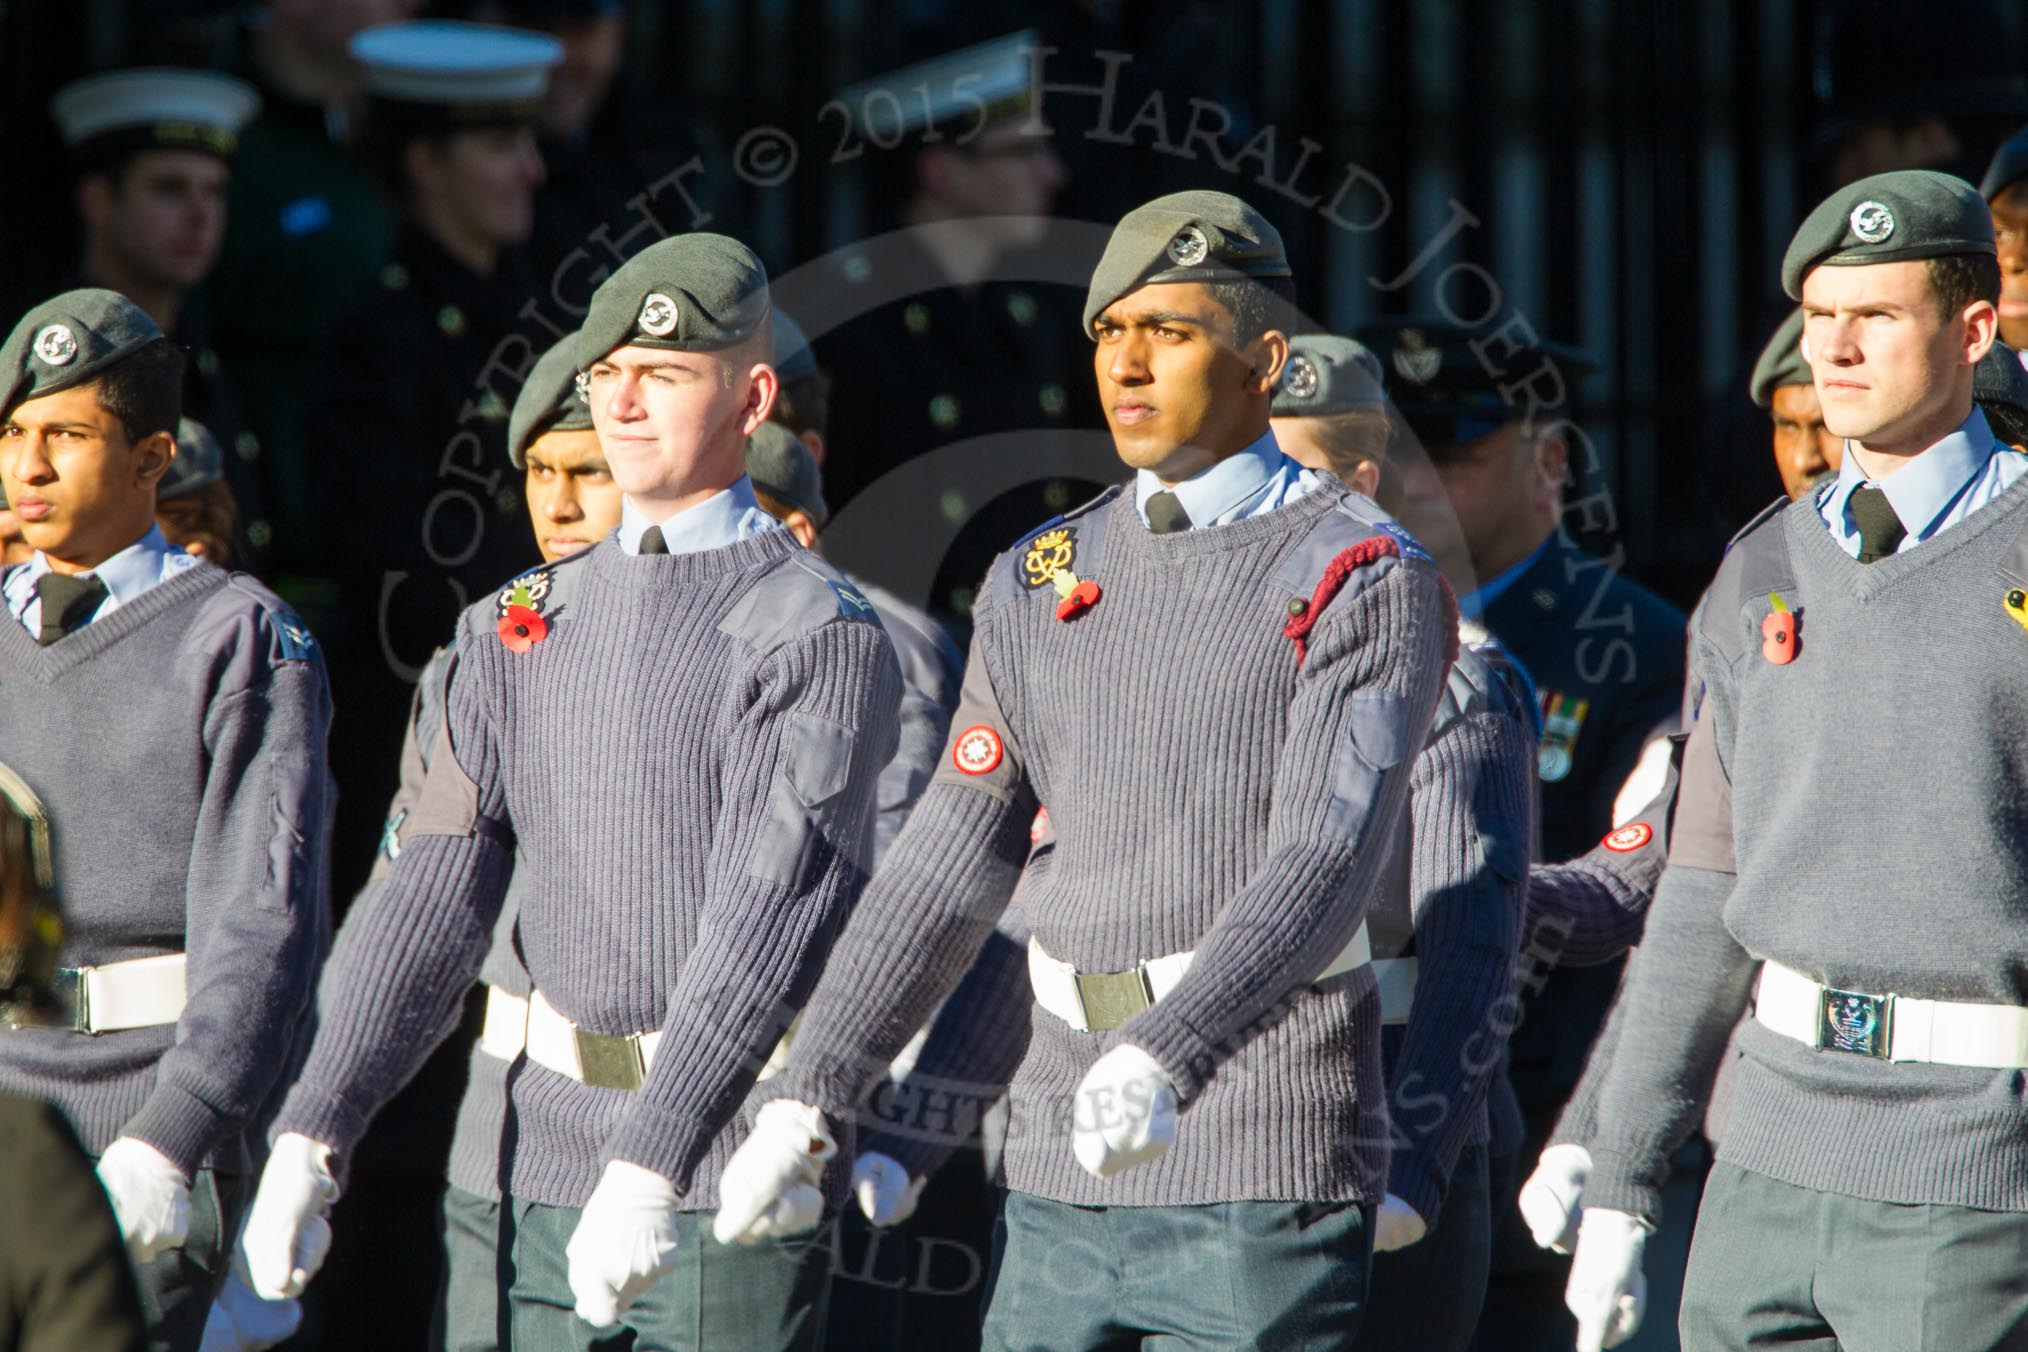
(1049,553)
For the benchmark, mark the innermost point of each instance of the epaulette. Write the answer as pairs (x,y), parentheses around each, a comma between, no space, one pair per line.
(1755,569)
(803,594)
(290,639)
(1337,554)
(1058,545)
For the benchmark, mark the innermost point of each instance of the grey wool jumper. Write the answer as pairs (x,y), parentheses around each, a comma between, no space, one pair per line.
(1471,824)
(178,744)
(1213,786)
(684,856)
(1856,814)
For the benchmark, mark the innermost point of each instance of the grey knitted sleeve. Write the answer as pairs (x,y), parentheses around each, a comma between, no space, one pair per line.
(789,858)
(1471,800)
(1362,705)
(1687,984)
(258,910)
(414,948)
(1577,1124)
(920,923)
(975,1045)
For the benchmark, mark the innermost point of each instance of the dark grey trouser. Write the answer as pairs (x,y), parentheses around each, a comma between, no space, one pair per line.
(1291,1276)
(177,1286)
(1777,1266)
(478,1272)
(1427,1296)
(766,1297)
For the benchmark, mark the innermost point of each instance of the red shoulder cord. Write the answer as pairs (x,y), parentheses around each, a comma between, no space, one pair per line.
(1349,561)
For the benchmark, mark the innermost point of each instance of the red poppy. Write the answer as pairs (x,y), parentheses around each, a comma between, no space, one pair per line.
(1778,637)
(1082,597)
(522,628)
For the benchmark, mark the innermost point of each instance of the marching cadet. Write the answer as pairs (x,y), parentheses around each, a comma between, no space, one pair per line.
(1444,937)
(1202,1084)
(409,417)
(1879,1076)
(193,504)
(679,886)
(153,152)
(1607,660)
(1805,449)
(195,927)
(804,405)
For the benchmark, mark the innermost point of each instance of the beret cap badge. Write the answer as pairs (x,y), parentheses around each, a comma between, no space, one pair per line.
(658,315)
(1299,381)
(56,345)
(1417,361)
(1189,247)
(1872,222)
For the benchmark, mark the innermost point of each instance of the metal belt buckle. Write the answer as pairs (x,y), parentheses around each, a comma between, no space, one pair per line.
(1109,999)
(610,1062)
(68,987)
(1851,1021)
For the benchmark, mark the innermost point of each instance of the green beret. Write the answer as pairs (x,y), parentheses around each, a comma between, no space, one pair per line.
(1327,374)
(1781,361)
(549,400)
(2010,162)
(1890,218)
(794,360)
(1185,237)
(781,465)
(68,341)
(688,293)
(199,461)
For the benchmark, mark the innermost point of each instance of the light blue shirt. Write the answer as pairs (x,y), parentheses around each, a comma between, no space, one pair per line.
(1932,492)
(145,563)
(1255,480)
(721,519)
(1474,602)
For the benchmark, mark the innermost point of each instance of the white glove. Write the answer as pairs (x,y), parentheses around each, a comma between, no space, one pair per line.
(241,1321)
(769,1187)
(1607,1292)
(624,1242)
(1124,1113)
(150,1197)
(1552,1198)
(288,1228)
(885,1191)
(1397,1225)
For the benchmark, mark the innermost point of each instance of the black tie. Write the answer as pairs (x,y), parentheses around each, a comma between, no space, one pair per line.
(1166,515)
(67,602)
(652,541)
(1880,530)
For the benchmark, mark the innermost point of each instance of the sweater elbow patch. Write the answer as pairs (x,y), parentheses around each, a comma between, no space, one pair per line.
(1378,741)
(449,802)
(814,772)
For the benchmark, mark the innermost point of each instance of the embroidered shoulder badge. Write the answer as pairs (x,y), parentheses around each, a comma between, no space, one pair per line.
(977,750)
(521,625)
(852,605)
(295,641)
(1050,553)
(1410,547)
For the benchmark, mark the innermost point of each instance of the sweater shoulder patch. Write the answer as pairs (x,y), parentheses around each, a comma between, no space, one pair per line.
(1067,543)
(801,595)
(289,639)
(1756,564)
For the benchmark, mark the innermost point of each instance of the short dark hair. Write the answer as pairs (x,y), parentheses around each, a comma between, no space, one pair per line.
(1256,305)
(804,405)
(1960,279)
(144,391)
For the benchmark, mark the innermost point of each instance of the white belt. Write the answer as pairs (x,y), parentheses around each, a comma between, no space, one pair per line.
(140,993)
(533,1026)
(1890,1027)
(1096,1001)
